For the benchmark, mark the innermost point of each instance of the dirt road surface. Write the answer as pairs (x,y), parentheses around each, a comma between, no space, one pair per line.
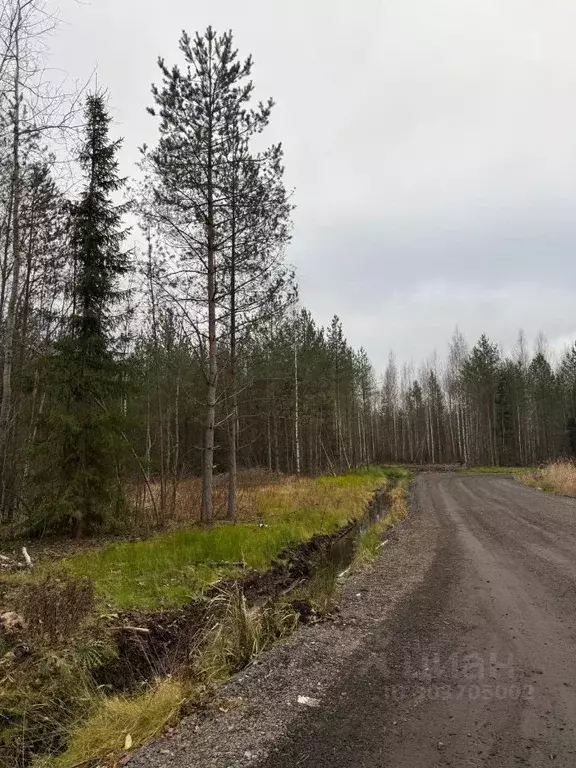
(462,654)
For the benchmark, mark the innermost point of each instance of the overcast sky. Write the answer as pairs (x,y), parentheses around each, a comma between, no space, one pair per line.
(431,145)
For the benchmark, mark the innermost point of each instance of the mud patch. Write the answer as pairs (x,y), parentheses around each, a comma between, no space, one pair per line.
(151,645)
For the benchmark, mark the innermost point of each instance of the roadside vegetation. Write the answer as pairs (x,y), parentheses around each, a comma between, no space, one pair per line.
(556,477)
(371,540)
(169,569)
(100,650)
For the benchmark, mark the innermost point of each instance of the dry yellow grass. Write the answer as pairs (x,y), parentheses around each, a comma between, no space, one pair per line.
(342,498)
(262,496)
(183,499)
(119,724)
(556,477)
(399,495)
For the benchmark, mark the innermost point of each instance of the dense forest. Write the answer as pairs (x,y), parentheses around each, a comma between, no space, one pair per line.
(190,354)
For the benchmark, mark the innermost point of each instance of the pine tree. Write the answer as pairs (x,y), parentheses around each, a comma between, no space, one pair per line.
(221,210)
(79,480)
(256,283)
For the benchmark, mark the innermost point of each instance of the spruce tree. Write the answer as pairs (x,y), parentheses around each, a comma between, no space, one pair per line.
(80,483)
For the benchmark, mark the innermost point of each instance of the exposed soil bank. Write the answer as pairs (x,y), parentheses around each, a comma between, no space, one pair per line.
(155,644)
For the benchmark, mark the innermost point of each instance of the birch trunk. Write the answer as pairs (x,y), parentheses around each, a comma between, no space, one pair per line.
(10,327)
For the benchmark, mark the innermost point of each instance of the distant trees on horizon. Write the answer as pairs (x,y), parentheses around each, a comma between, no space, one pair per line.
(480,407)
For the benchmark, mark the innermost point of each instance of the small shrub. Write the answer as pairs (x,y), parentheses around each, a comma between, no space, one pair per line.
(45,677)
(41,695)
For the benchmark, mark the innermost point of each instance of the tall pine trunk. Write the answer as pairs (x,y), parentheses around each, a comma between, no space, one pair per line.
(208,457)
(206,512)
(233,430)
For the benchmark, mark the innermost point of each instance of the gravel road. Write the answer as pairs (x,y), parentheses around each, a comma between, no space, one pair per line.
(457,649)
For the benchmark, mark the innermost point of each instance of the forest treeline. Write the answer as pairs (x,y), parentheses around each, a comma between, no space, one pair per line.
(189,354)
(480,407)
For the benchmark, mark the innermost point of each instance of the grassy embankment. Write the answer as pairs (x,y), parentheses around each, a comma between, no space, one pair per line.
(556,477)
(49,699)
(167,570)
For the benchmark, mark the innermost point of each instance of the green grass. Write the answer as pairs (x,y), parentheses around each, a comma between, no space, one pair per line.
(170,569)
(370,541)
(362,476)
